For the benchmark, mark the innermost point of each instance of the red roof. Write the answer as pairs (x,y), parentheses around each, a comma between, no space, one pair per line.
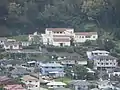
(14,87)
(57,29)
(61,39)
(61,36)
(86,33)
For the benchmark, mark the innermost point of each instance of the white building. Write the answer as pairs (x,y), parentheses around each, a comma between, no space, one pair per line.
(12,45)
(56,85)
(30,82)
(104,62)
(58,36)
(81,37)
(91,54)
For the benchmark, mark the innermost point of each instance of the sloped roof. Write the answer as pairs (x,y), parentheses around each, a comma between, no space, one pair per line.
(86,33)
(79,82)
(61,39)
(57,29)
(104,57)
(56,83)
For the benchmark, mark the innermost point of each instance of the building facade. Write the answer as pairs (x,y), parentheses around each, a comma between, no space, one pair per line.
(52,69)
(104,62)
(81,37)
(91,54)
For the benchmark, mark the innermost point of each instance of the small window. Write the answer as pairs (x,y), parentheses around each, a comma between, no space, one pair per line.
(98,63)
(87,36)
(36,85)
(93,36)
(107,63)
(82,36)
(53,67)
(30,81)
(101,63)
(60,32)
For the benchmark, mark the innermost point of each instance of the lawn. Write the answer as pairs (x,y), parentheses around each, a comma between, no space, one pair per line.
(64,79)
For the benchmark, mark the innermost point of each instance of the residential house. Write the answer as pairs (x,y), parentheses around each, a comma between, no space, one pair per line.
(91,54)
(19,71)
(14,87)
(56,85)
(104,62)
(58,36)
(105,84)
(79,85)
(116,72)
(2,40)
(12,45)
(52,69)
(81,37)
(30,82)
(25,43)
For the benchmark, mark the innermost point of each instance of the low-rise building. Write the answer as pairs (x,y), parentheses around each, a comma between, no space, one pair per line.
(12,45)
(105,62)
(56,85)
(30,82)
(2,40)
(91,54)
(79,85)
(81,37)
(52,69)
(14,87)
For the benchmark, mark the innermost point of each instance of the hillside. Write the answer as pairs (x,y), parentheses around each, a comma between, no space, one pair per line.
(26,16)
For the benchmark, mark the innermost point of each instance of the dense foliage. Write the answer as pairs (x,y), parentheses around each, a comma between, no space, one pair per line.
(23,16)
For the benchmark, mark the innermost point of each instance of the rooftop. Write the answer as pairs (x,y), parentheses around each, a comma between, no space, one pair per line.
(104,57)
(100,51)
(61,39)
(51,65)
(14,87)
(29,78)
(56,83)
(86,33)
(79,82)
(58,29)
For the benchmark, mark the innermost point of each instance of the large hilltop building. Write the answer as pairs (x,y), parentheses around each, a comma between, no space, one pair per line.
(65,36)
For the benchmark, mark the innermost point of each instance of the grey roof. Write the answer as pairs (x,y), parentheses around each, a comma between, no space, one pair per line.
(12,43)
(19,71)
(104,57)
(80,82)
(24,51)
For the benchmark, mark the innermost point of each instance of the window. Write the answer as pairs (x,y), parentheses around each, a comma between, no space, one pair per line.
(30,81)
(53,67)
(107,63)
(101,63)
(46,67)
(36,85)
(87,36)
(60,32)
(82,36)
(93,36)
(98,63)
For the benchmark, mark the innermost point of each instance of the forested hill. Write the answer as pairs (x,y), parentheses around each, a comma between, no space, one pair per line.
(25,16)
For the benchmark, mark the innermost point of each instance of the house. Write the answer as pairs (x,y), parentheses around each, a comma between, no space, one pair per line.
(14,87)
(56,85)
(104,62)
(52,69)
(81,37)
(19,71)
(116,71)
(2,40)
(30,82)
(58,36)
(25,43)
(105,84)
(12,45)
(91,54)
(79,85)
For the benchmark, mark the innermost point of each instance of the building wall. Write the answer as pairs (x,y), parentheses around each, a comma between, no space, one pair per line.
(106,63)
(83,38)
(34,84)
(15,47)
(81,87)
(58,43)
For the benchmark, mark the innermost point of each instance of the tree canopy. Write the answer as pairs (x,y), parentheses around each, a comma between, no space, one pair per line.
(23,16)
